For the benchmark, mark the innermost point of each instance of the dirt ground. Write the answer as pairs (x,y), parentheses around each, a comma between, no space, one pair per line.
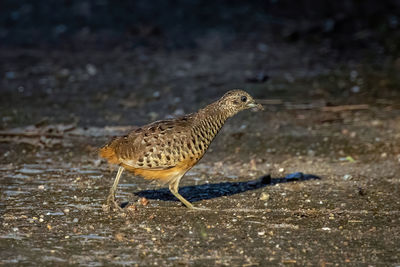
(313,180)
(343,210)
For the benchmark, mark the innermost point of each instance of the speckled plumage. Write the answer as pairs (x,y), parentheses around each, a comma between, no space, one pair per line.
(165,150)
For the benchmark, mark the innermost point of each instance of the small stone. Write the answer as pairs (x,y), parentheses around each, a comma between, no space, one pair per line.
(355,89)
(347,177)
(326,228)
(153,115)
(41,220)
(75,220)
(261,233)
(91,69)
(264,196)
(119,237)
(131,208)
(156,94)
(179,112)
(41,187)
(66,210)
(281,170)
(144,201)
(353,75)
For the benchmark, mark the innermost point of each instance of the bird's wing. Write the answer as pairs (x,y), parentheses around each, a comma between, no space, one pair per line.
(157,146)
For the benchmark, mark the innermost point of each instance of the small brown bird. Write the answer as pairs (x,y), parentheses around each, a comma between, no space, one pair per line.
(165,150)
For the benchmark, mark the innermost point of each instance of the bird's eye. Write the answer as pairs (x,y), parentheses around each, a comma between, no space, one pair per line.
(243,98)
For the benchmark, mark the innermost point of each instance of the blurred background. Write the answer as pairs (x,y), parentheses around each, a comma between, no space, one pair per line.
(127,62)
(75,73)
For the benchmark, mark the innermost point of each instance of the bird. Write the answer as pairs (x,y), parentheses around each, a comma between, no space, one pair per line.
(166,149)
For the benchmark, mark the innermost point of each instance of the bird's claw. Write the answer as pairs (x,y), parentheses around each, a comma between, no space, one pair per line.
(112,204)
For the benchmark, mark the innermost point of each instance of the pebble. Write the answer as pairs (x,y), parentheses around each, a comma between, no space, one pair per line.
(264,196)
(119,237)
(355,89)
(91,69)
(144,201)
(311,153)
(281,170)
(156,94)
(261,233)
(41,187)
(179,112)
(153,115)
(347,177)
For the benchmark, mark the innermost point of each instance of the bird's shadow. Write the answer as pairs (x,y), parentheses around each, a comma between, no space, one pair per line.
(209,191)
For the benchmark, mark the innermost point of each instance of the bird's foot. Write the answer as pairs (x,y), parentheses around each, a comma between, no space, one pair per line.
(197,208)
(112,204)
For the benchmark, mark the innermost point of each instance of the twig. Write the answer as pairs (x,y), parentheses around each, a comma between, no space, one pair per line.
(269,101)
(345,108)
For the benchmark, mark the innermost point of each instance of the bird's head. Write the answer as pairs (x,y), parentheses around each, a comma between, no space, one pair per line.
(238,100)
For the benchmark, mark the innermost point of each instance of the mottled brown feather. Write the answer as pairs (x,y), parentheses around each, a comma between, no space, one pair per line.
(166,149)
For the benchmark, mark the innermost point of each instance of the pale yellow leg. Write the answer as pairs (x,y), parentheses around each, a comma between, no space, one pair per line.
(174,187)
(111,195)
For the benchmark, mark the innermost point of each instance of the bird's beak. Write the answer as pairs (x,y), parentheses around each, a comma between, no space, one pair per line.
(255,105)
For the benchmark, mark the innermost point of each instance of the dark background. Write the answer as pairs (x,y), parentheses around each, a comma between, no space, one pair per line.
(87,61)
(178,24)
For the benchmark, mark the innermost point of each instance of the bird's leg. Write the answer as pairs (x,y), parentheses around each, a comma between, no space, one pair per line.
(111,195)
(173,187)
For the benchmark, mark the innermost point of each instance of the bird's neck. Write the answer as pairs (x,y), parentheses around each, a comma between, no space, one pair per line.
(217,110)
(210,120)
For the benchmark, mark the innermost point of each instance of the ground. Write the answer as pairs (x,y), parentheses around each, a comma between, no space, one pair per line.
(337,122)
